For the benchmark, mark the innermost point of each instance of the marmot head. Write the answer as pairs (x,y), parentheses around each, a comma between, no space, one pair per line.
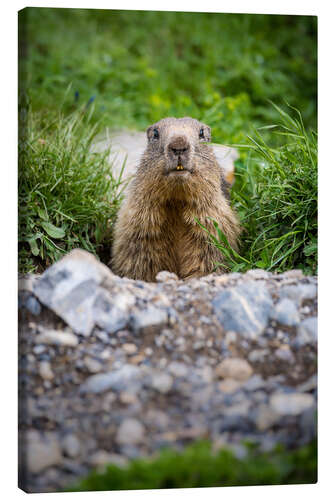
(177,147)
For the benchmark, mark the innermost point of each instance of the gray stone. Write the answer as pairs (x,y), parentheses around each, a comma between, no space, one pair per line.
(42,450)
(309,385)
(244,309)
(70,286)
(130,432)
(254,383)
(71,445)
(117,380)
(298,293)
(285,312)
(178,369)
(293,403)
(92,365)
(284,353)
(307,331)
(152,317)
(33,305)
(107,314)
(258,274)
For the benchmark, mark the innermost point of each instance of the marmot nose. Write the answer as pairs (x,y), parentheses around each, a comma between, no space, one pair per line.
(179,145)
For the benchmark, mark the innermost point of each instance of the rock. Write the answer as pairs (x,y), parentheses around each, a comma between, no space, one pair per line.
(244,309)
(42,451)
(307,331)
(266,417)
(258,355)
(92,365)
(111,313)
(33,305)
(298,293)
(286,313)
(56,338)
(162,382)
(70,287)
(178,369)
(164,276)
(229,385)
(235,368)
(130,432)
(285,354)
(45,370)
(117,380)
(258,274)
(293,403)
(129,348)
(309,385)
(254,383)
(71,445)
(149,318)
(101,458)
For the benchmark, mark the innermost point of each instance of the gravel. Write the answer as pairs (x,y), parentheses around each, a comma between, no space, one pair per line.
(111,369)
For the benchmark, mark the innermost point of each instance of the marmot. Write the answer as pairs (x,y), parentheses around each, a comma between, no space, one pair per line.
(177,181)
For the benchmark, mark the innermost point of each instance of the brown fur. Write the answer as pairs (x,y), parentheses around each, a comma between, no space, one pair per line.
(156,228)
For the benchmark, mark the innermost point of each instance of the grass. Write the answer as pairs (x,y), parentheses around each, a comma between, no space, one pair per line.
(197,466)
(276,197)
(68,196)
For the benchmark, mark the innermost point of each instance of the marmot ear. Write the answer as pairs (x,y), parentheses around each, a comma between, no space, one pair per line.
(208,133)
(149,132)
(205,133)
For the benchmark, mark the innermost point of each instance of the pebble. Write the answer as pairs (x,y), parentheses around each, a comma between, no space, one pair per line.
(286,313)
(45,370)
(33,305)
(100,458)
(307,331)
(229,385)
(152,317)
(164,276)
(284,353)
(235,368)
(116,380)
(131,432)
(42,451)
(162,382)
(292,403)
(129,348)
(57,338)
(266,417)
(245,309)
(178,369)
(71,445)
(92,365)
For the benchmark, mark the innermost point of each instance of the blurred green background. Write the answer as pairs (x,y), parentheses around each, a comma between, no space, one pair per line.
(141,66)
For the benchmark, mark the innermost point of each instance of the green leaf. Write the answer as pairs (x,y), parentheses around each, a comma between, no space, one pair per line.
(42,214)
(33,246)
(53,231)
(310,249)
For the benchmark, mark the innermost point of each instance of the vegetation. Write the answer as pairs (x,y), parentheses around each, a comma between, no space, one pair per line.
(197,466)
(82,70)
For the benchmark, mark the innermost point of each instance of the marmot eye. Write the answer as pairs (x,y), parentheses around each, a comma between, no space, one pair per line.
(155,133)
(201,133)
